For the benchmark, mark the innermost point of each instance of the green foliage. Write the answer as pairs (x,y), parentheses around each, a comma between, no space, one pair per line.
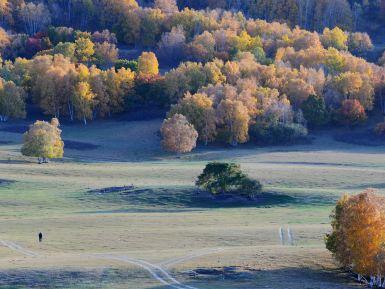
(277,133)
(12,101)
(225,178)
(128,64)
(315,112)
(331,239)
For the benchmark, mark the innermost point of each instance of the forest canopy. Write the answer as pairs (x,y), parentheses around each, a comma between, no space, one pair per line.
(233,77)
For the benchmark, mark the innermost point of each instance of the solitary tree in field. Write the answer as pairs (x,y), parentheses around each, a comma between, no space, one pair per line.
(43,140)
(358,236)
(222,178)
(178,134)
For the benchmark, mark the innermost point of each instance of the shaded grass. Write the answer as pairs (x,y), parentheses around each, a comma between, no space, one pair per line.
(182,197)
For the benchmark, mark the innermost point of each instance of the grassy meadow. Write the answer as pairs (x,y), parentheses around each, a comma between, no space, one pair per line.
(162,220)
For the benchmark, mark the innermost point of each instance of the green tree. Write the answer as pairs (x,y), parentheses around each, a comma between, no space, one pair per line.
(43,140)
(12,101)
(224,178)
(314,110)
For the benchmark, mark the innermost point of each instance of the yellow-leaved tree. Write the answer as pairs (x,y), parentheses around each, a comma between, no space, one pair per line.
(234,118)
(43,140)
(84,101)
(148,64)
(358,236)
(199,111)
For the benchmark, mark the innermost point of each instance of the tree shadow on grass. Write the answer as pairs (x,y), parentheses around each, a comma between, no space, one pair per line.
(174,199)
(218,277)
(286,278)
(69,278)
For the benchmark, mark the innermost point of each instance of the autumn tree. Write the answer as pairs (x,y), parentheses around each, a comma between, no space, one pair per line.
(202,48)
(359,43)
(353,85)
(43,141)
(84,101)
(52,81)
(358,233)
(172,44)
(168,7)
(234,120)
(5,40)
(335,37)
(148,64)
(178,135)
(84,49)
(106,54)
(198,110)
(352,112)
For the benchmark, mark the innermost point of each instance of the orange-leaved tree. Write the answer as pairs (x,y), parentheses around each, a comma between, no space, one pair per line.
(358,236)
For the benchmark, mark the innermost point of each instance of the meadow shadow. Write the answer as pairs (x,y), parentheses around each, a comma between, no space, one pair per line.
(185,198)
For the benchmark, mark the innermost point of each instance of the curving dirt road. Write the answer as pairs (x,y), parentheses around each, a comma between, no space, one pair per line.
(158,272)
(15,247)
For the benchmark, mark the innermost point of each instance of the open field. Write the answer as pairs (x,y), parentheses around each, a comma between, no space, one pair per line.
(102,240)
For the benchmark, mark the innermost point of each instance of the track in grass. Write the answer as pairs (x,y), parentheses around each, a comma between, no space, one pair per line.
(158,272)
(15,247)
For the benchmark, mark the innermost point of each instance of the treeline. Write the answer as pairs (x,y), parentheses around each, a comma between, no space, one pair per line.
(146,26)
(242,99)
(30,16)
(238,79)
(309,14)
(66,89)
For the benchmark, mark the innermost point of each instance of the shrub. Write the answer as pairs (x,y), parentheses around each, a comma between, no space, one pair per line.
(224,178)
(380,129)
(277,133)
(128,64)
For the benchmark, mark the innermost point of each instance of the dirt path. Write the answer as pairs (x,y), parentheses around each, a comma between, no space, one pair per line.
(170,262)
(17,248)
(158,272)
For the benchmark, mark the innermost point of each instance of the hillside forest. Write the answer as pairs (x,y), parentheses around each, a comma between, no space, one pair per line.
(226,71)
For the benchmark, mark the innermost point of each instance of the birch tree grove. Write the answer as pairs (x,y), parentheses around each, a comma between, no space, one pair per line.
(35,17)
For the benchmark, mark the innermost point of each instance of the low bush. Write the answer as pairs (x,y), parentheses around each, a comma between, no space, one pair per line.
(380,129)
(277,133)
